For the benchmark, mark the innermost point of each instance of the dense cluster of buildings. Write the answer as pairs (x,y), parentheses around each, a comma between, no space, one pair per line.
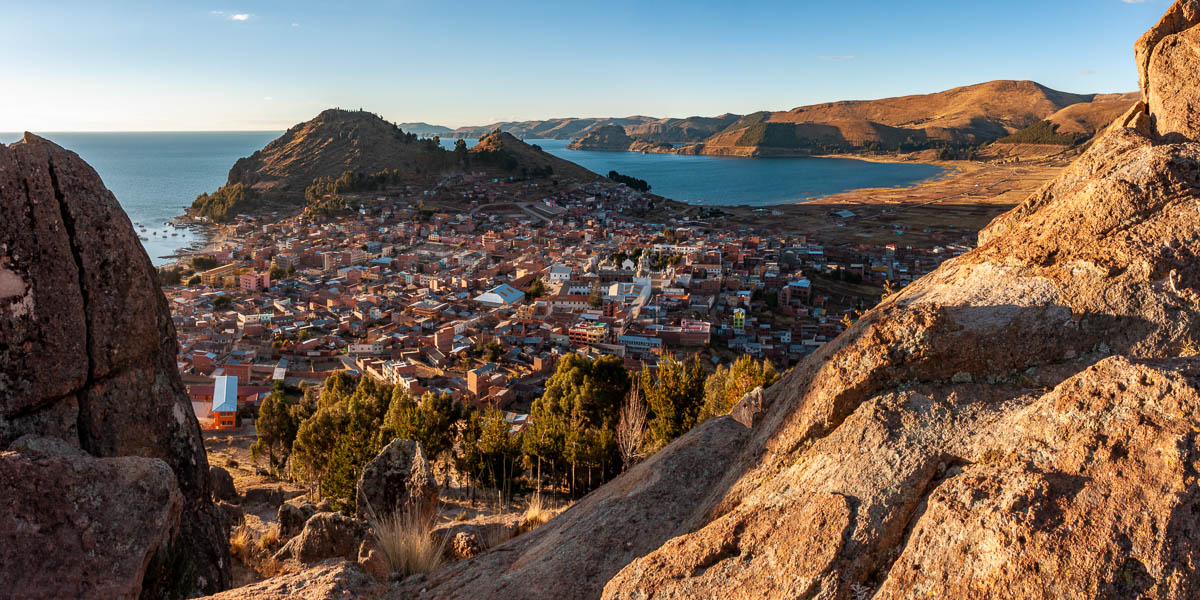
(480,303)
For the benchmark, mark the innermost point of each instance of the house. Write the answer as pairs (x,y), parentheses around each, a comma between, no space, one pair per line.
(559,272)
(224,404)
(501,295)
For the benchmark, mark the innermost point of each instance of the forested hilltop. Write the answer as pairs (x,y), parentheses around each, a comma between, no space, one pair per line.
(316,162)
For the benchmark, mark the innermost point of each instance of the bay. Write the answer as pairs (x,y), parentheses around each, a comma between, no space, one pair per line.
(731,181)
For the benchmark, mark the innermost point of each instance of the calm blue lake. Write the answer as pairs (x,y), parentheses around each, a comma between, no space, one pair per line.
(726,181)
(156,176)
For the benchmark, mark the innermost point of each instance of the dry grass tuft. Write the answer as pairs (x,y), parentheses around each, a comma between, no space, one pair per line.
(408,542)
(537,513)
(269,541)
(241,542)
(256,554)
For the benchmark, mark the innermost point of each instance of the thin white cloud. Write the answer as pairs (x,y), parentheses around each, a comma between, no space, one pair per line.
(838,58)
(268,98)
(239,17)
(1133,1)
(1087,72)
(295,24)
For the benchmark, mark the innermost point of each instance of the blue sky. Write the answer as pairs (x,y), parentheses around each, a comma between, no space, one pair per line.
(233,65)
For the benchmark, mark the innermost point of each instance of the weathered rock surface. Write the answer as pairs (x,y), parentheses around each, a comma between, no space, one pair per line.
(87,347)
(325,535)
(400,478)
(332,579)
(291,518)
(1021,423)
(1172,65)
(466,539)
(97,530)
(222,484)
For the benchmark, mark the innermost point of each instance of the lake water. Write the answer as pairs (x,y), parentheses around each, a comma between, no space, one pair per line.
(724,181)
(156,176)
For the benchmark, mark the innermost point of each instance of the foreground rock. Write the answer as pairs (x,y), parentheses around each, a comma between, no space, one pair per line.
(400,479)
(332,579)
(1019,423)
(325,535)
(87,356)
(97,534)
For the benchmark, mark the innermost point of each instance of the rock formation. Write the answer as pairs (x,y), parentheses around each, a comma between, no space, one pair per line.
(401,479)
(325,535)
(331,579)
(87,357)
(1018,424)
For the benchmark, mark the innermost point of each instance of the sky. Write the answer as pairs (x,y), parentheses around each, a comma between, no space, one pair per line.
(228,65)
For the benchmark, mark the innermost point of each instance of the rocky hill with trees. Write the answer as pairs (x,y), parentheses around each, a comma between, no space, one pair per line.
(315,163)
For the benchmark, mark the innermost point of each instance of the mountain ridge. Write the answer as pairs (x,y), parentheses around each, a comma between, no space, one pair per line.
(965,116)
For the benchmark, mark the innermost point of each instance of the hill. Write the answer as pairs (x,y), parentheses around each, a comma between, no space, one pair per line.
(551,129)
(422,128)
(1088,118)
(341,151)
(504,151)
(608,137)
(960,117)
(647,129)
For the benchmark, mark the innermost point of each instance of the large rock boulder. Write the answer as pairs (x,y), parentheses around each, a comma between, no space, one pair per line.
(330,580)
(325,535)
(1020,423)
(76,526)
(87,347)
(1170,58)
(291,518)
(399,479)
(222,484)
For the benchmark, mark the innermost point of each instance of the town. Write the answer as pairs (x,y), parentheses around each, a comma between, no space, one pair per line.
(475,291)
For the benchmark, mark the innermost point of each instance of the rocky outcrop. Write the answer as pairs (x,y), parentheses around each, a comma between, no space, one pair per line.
(328,580)
(1020,423)
(222,484)
(291,518)
(325,535)
(400,479)
(77,526)
(87,350)
(1170,59)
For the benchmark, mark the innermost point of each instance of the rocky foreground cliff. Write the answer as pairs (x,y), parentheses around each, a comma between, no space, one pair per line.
(1021,423)
(106,490)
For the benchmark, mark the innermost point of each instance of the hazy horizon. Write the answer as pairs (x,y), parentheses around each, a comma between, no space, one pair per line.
(142,66)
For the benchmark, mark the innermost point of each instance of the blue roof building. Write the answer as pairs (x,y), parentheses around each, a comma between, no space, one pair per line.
(225,394)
